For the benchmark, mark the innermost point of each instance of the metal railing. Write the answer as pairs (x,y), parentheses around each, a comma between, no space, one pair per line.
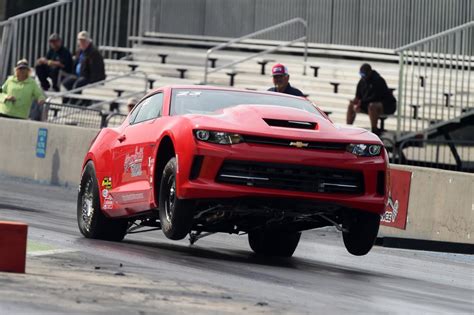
(455,155)
(435,79)
(72,115)
(75,111)
(26,35)
(267,51)
(71,93)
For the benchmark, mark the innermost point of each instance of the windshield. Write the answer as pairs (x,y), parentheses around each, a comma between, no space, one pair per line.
(195,101)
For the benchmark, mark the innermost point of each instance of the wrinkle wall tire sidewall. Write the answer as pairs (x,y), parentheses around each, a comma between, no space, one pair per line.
(182,212)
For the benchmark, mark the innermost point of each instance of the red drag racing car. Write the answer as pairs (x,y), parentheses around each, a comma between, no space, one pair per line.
(198,160)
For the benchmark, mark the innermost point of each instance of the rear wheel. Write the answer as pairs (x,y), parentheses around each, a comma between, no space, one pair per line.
(176,215)
(362,229)
(90,218)
(274,243)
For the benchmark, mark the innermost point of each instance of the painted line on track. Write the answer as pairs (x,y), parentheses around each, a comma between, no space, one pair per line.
(51,252)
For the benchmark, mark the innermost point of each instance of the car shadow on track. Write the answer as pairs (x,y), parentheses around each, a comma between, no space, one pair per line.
(207,257)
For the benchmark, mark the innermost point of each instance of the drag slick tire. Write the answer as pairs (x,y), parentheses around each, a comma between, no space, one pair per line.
(362,229)
(90,218)
(274,243)
(176,215)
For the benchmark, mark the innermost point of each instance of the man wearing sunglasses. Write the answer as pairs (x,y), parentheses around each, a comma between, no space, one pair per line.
(373,97)
(281,82)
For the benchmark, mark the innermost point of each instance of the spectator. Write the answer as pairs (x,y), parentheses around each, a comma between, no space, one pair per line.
(57,59)
(281,80)
(373,97)
(89,67)
(131,103)
(19,92)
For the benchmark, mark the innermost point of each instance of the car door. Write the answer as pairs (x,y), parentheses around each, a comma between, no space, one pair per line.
(133,157)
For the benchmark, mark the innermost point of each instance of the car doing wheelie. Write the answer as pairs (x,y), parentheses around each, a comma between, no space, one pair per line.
(199,160)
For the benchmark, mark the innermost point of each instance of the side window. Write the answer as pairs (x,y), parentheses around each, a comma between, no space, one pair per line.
(134,113)
(150,108)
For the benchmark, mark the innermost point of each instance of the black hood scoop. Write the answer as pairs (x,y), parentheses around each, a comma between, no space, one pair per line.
(290,124)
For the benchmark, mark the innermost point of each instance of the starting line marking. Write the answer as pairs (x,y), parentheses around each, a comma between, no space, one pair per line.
(50,252)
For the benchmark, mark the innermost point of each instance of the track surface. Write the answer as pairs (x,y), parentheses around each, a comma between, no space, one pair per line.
(219,274)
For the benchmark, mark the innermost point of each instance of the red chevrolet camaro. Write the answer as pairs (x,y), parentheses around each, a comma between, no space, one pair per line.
(198,160)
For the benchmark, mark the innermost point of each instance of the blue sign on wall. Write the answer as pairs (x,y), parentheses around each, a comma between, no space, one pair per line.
(41,143)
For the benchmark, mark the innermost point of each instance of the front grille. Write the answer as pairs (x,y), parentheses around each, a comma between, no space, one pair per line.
(291,143)
(291,177)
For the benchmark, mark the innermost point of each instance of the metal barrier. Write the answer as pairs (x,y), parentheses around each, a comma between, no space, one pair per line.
(75,114)
(71,93)
(26,35)
(435,79)
(455,155)
(66,114)
(267,51)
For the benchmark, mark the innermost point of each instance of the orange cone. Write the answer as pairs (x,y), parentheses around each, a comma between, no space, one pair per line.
(13,246)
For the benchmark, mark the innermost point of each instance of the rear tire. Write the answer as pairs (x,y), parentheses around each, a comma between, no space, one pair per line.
(274,243)
(176,215)
(363,228)
(91,220)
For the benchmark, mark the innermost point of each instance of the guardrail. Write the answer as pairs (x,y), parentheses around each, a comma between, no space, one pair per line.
(267,51)
(26,35)
(72,115)
(435,79)
(455,155)
(99,105)
(81,116)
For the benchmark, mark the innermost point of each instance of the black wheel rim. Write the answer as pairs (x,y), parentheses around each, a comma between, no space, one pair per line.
(170,198)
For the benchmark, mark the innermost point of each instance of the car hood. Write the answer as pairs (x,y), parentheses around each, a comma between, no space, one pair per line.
(279,122)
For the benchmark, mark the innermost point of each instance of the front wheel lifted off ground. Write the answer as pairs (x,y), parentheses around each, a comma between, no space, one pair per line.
(176,215)
(90,218)
(361,229)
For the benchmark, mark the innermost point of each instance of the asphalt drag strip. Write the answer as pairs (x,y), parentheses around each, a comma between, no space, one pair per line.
(148,274)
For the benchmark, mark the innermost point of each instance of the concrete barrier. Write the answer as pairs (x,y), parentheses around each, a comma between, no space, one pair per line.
(21,151)
(440,206)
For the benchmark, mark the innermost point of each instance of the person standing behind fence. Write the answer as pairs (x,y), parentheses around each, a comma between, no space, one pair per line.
(89,64)
(57,59)
(373,97)
(19,92)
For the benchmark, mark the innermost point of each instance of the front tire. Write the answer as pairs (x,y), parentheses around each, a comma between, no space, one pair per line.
(91,220)
(274,243)
(362,229)
(176,215)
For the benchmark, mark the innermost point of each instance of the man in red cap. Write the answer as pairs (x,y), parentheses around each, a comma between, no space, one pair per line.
(281,81)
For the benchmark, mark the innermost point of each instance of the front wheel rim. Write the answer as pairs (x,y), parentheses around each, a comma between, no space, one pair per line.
(170,198)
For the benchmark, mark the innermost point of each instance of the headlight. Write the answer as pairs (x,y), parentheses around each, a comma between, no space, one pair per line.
(364,149)
(218,137)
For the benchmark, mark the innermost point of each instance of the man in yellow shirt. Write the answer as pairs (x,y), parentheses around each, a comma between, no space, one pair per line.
(19,92)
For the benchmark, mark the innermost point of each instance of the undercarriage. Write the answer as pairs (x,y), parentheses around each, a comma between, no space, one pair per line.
(241,216)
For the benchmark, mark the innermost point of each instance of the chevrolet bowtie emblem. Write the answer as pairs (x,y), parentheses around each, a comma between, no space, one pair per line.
(299,144)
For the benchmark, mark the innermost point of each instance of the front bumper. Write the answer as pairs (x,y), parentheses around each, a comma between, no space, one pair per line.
(202,184)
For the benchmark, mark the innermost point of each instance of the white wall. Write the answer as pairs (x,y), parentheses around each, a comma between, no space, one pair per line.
(440,205)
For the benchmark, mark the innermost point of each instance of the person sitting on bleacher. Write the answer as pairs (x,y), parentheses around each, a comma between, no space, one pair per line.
(89,67)
(19,92)
(57,59)
(373,97)
(281,82)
